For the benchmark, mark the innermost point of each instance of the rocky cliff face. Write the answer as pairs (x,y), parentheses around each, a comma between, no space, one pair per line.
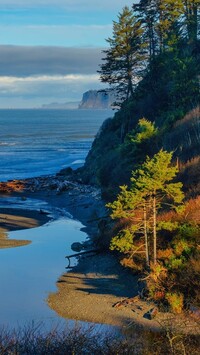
(94,99)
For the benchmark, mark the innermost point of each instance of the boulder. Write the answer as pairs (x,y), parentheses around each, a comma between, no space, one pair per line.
(76,246)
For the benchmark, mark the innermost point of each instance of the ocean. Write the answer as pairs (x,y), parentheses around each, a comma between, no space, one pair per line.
(41,142)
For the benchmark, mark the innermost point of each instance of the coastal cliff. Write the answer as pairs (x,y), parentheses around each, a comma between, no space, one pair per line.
(94,99)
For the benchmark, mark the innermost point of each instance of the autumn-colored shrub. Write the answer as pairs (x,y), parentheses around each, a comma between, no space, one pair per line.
(192,210)
(159,295)
(189,280)
(136,265)
(165,254)
(175,301)
(155,281)
(190,214)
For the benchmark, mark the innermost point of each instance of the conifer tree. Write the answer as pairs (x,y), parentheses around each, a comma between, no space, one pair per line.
(192,13)
(151,188)
(153,180)
(169,24)
(131,207)
(146,12)
(123,60)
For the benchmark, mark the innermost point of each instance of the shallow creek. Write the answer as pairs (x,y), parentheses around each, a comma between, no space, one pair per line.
(29,273)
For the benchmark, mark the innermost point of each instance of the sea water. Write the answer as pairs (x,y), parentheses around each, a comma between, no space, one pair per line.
(41,142)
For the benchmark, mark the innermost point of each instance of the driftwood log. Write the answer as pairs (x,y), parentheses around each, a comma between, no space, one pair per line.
(82,253)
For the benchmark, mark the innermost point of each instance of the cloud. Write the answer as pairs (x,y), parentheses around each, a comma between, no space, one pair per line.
(37,90)
(45,78)
(45,86)
(19,61)
(32,76)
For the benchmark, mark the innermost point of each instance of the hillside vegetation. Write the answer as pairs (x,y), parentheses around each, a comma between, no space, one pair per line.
(162,42)
(147,158)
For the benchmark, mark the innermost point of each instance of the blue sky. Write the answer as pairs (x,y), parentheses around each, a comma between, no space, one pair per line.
(50,49)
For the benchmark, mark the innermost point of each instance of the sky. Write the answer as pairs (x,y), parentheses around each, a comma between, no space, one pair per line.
(50,50)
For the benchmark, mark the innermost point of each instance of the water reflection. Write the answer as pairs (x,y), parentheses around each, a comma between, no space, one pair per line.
(29,273)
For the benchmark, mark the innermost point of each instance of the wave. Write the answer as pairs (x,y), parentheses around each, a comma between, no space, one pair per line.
(7,144)
(80,161)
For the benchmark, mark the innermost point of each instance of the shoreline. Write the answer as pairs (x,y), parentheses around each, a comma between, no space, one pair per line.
(89,291)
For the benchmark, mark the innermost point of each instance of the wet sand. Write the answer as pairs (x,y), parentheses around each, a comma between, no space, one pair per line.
(16,219)
(89,291)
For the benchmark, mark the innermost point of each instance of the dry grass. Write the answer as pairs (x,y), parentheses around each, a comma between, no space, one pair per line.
(184,138)
(190,176)
(190,215)
(190,116)
(194,162)
(78,341)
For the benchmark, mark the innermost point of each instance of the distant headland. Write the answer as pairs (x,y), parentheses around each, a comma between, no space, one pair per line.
(92,99)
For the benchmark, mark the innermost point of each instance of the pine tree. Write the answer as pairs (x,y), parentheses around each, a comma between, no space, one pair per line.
(131,207)
(192,13)
(151,188)
(146,12)
(169,24)
(124,58)
(153,180)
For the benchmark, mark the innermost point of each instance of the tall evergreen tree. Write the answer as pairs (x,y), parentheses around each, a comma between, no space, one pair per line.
(151,188)
(154,181)
(192,13)
(146,13)
(132,208)
(169,23)
(123,60)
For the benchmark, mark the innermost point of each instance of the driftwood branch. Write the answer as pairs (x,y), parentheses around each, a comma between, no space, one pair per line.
(86,253)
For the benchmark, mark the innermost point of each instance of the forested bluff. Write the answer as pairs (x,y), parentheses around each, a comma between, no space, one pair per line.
(157,126)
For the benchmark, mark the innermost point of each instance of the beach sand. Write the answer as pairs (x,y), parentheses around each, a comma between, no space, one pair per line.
(16,219)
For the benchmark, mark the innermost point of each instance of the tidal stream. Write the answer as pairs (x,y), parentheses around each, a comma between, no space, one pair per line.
(29,273)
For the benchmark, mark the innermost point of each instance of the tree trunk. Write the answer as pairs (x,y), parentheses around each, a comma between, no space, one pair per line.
(154,231)
(146,236)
